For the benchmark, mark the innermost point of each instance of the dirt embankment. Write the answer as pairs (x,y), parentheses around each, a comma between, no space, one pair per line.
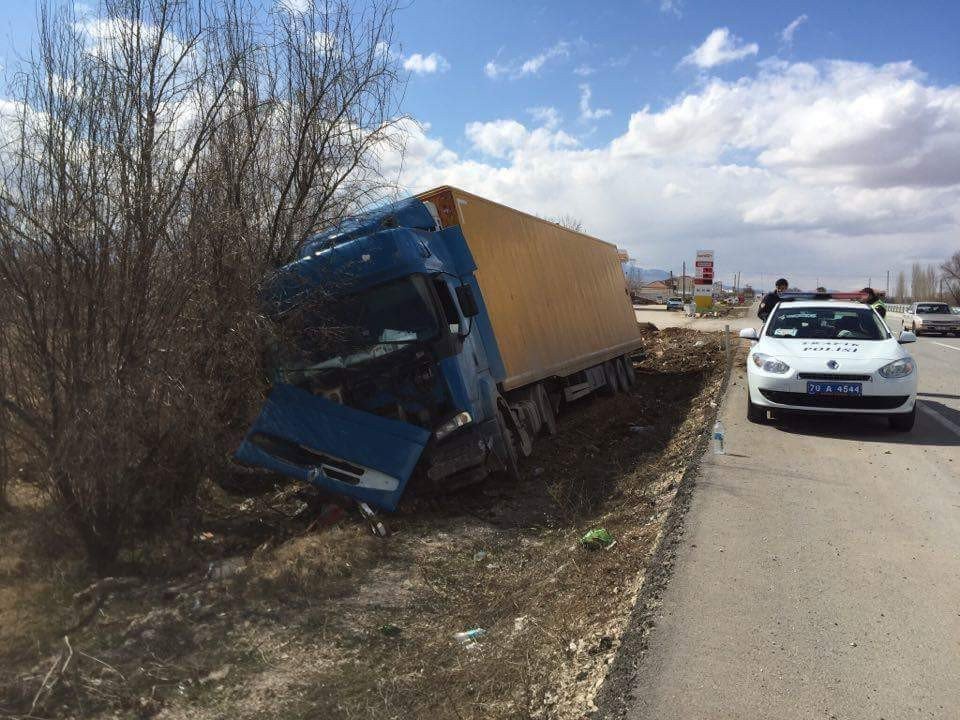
(280,617)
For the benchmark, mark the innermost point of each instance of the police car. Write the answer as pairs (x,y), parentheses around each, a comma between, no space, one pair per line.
(829,354)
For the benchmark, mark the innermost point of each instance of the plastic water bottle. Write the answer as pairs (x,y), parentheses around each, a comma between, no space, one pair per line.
(719,434)
(470,636)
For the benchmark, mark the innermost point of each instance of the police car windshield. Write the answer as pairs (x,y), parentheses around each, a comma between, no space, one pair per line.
(826,323)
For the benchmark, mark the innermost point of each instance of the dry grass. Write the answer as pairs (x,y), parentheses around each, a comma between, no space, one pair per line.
(313,564)
(301,632)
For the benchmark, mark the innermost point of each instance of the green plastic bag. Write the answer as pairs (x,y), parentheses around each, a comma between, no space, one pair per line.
(597,539)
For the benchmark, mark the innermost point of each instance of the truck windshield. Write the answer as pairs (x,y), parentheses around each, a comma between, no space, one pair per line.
(826,324)
(932,309)
(346,331)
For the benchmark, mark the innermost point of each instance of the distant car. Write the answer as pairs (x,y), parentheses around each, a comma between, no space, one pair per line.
(830,356)
(674,303)
(927,317)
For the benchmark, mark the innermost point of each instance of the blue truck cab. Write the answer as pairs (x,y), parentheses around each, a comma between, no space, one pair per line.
(384,362)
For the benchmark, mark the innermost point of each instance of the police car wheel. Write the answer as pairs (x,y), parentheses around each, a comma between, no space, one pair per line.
(755,413)
(903,422)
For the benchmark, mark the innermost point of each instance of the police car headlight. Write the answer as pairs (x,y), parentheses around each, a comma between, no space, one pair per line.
(454,423)
(897,369)
(770,364)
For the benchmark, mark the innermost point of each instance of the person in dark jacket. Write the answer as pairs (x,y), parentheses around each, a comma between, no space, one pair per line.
(771,299)
(874,301)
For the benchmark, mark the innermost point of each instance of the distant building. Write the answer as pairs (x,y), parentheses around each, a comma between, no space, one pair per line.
(681,285)
(656,290)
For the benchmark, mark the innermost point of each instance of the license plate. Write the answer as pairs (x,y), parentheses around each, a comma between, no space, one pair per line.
(829,388)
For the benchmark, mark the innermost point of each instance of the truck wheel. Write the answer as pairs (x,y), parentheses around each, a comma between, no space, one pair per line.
(508,445)
(903,422)
(545,407)
(631,372)
(755,413)
(610,375)
(622,380)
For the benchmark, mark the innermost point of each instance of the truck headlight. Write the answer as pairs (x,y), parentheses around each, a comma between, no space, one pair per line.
(454,423)
(897,369)
(770,364)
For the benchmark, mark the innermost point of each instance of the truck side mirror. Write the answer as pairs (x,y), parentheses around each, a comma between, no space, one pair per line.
(468,303)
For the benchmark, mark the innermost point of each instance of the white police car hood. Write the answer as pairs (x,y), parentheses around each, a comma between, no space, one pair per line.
(849,353)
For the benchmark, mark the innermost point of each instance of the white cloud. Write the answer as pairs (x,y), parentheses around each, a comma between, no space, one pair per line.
(721,46)
(497,138)
(671,190)
(493,70)
(838,170)
(426,64)
(505,138)
(583,70)
(327,43)
(531,66)
(789,30)
(294,6)
(672,7)
(548,117)
(586,112)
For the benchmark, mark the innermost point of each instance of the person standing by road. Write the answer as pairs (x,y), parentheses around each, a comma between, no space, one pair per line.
(875,301)
(771,299)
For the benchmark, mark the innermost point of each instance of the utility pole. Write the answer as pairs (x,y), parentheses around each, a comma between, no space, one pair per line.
(887,294)
(683,281)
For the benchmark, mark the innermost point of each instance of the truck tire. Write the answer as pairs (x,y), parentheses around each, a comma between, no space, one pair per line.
(622,380)
(631,372)
(545,407)
(508,445)
(755,413)
(610,375)
(903,422)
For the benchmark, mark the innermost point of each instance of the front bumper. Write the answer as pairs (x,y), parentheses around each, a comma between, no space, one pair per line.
(939,327)
(880,395)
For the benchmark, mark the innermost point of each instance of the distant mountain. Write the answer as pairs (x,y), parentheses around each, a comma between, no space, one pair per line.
(643,275)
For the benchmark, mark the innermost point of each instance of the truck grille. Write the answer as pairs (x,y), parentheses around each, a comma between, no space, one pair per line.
(836,377)
(841,402)
(307,458)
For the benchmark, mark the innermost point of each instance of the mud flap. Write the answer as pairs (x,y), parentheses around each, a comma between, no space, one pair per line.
(346,451)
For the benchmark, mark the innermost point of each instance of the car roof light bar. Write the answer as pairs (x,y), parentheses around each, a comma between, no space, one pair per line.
(858,296)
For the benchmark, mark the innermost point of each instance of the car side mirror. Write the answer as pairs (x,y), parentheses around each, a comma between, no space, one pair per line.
(468,303)
(906,337)
(749,334)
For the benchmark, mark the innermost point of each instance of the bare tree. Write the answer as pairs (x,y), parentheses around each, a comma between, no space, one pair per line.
(900,291)
(163,158)
(923,285)
(568,221)
(951,277)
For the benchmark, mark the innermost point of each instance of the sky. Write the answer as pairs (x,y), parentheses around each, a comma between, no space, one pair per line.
(815,140)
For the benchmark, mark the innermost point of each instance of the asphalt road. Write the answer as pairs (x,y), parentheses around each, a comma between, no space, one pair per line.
(819,572)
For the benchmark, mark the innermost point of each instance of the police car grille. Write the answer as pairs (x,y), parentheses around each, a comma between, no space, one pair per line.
(834,377)
(836,402)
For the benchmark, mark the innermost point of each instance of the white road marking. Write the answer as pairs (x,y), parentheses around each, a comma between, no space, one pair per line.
(952,347)
(939,418)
